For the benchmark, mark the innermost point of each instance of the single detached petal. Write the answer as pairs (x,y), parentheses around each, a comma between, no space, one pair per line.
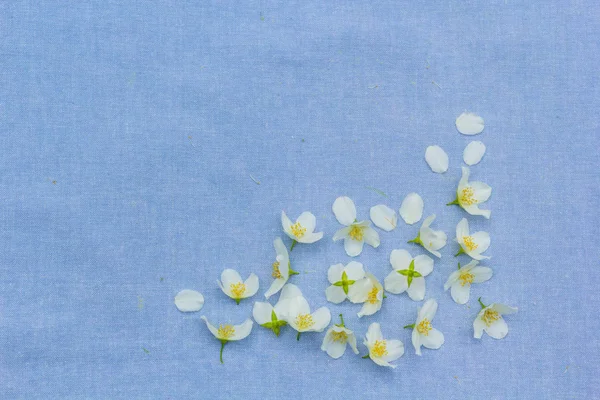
(354,271)
(262,312)
(469,123)
(400,259)
(242,330)
(437,159)
(335,294)
(371,237)
(433,340)
(411,209)
(308,221)
(473,152)
(460,294)
(189,300)
(384,217)
(353,247)
(344,210)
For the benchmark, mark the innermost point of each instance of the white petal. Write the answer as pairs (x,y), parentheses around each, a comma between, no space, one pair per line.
(251,286)
(428,310)
(297,306)
(352,343)
(334,273)
(416,341)
(395,283)
(478,327)
(433,340)
(384,217)
(359,291)
(498,329)
(275,287)
(437,159)
(311,237)
(475,210)
(395,349)
(381,362)
(369,309)
(416,290)
(460,294)
(286,224)
(308,221)
(290,291)
(341,234)
(210,327)
(400,259)
(322,318)
(473,152)
(371,237)
(469,123)
(428,221)
(344,210)
(451,279)
(353,247)
(504,309)
(335,294)
(262,312)
(481,274)
(482,239)
(334,349)
(374,333)
(411,209)
(280,248)
(230,276)
(189,300)
(354,271)
(423,264)
(242,330)
(481,191)
(462,229)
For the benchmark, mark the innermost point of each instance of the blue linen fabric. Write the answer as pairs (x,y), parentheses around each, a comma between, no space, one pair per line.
(130,133)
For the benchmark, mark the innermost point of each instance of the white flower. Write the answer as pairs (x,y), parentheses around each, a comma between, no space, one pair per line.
(473,245)
(232,285)
(470,194)
(382,351)
(408,274)
(275,317)
(301,319)
(336,339)
(411,209)
(302,230)
(423,333)
(490,320)
(281,268)
(469,123)
(383,217)
(431,240)
(355,234)
(189,300)
(460,281)
(343,282)
(437,159)
(228,333)
(370,292)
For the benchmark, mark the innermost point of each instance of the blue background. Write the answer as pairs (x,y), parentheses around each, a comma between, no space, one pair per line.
(128,134)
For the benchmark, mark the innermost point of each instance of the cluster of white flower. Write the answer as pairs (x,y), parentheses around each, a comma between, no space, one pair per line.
(352,282)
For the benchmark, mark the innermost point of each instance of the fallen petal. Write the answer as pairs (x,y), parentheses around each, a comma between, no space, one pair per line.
(411,209)
(474,152)
(384,217)
(469,123)
(437,159)
(189,300)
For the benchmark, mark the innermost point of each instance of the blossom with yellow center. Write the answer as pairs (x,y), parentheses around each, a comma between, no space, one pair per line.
(408,274)
(228,332)
(281,268)
(232,285)
(424,327)
(343,281)
(372,296)
(460,281)
(370,292)
(424,334)
(301,319)
(381,350)
(470,194)
(304,321)
(336,339)
(430,239)
(471,244)
(275,317)
(237,289)
(301,231)
(298,230)
(490,320)
(490,316)
(355,233)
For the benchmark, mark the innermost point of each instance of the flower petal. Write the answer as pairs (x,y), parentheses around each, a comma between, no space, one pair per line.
(308,221)
(437,159)
(311,237)
(481,191)
(395,349)
(280,248)
(395,283)
(460,294)
(341,234)
(374,333)
(210,327)
(334,273)
(354,271)
(230,276)
(251,286)
(475,210)
(473,152)
(369,309)
(290,291)
(384,217)
(189,300)
(322,318)
(335,294)
(371,237)
(242,330)
(400,259)
(451,279)
(462,229)
(359,291)
(286,224)
(483,241)
(353,247)
(297,305)
(504,309)
(352,343)
(275,287)
(433,340)
(423,264)
(262,312)
(335,349)
(344,210)
(416,290)
(416,341)
(478,327)
(498,329)
(411,209)
(428,310)
(469,123)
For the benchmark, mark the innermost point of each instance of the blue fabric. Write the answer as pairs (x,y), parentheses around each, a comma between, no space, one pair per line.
(129,132)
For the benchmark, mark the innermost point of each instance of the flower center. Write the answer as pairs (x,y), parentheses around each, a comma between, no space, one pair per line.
(276,273)
(467,196)
(356,232)
(424,327)
(470,243)
(225,331)
(490,316)
(339,336)
(298,230)
(465,278)
(304,321)
(372,296)
(379,349)
(237,289)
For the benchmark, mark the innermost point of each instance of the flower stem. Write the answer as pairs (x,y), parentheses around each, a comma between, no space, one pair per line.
(458,265)
(411,326)
(292,272)
(293,244)
(365,356)
(482,305)
(221,352)
(342,318)
(298,336)
(416,240)
(460,251)
(453,202)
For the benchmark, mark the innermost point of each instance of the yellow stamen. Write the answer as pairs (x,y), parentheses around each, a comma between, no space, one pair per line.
(304,321)
(372,296)
(237,290)
(465,278)
(339,336)
(356,232)
(466,197)
(298,230)
(424,327)
(225,331)
(276,273)
(470,243)
(490,316)
(379,349)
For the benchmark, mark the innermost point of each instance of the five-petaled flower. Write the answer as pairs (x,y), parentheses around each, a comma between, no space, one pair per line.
(409,274)
(232,285)
(424,334)
(281,268)
(274,318)
(460,281)
(343,282)
(303,230)
(470,194)
(356,233)
(336,338)
(431,240)
(471,244)
(301,319)
(228,333)
(490,320)
(382,351)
